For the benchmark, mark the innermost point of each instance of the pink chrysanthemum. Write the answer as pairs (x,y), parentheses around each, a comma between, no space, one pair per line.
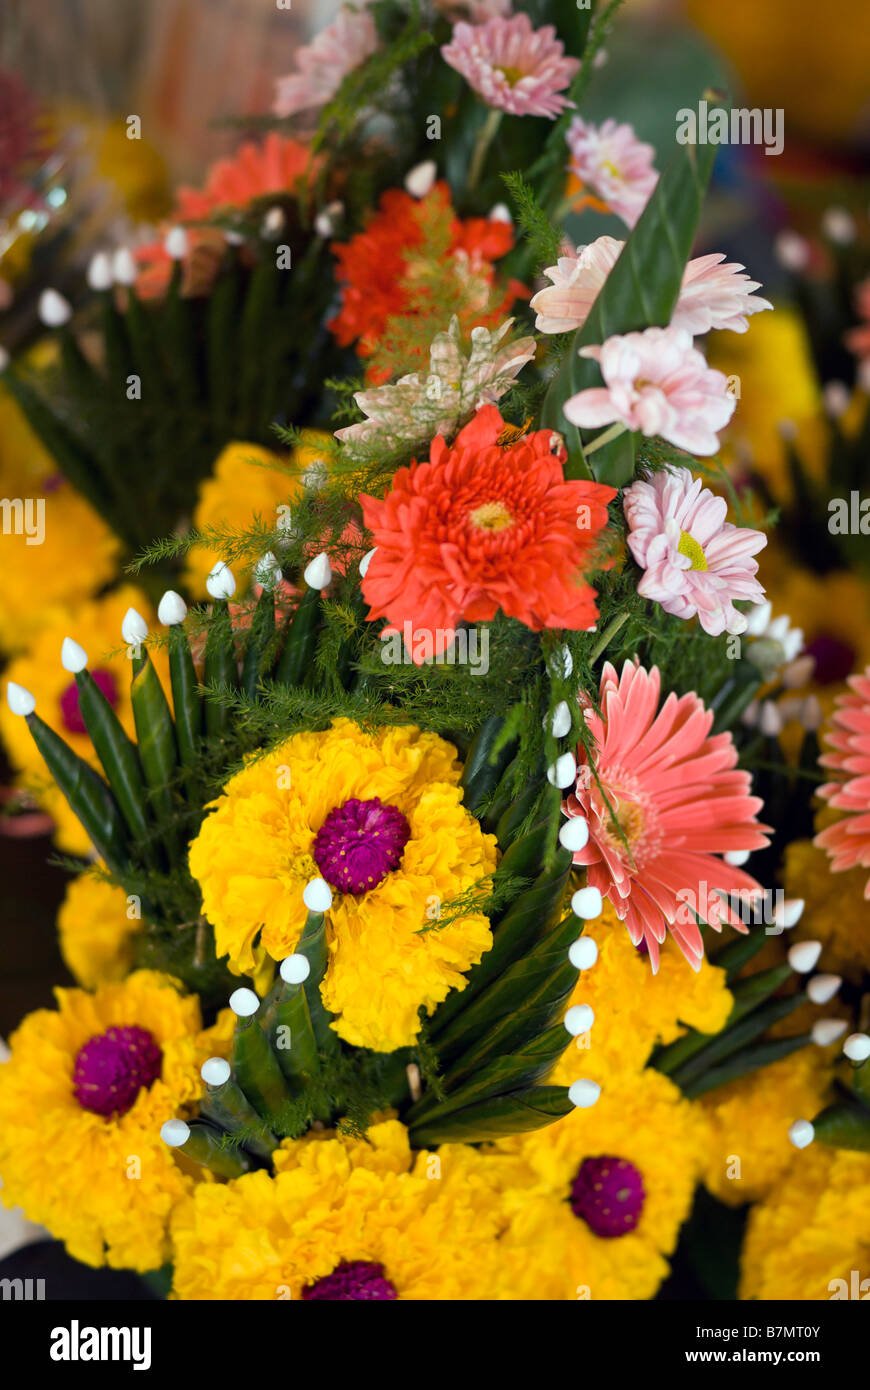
(323,65)
(655,382)
(712,296)
(847,841)
(617,166)
(512,66)
(694,561)
(679,800)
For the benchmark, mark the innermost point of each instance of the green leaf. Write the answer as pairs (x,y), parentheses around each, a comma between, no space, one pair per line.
(300,1058)
(732,1038)
(257,647)
(844,1125)
(530,1063)
(257,1072)
(158,753)
(530,916)
(496,1118)
(742,1063)
(204,1147)
(747,994)
(186,700)
(300,643)
(228,1107)
(88,796)
(640,292)
(483,766)
(312,945)
(116,752)
(220,667)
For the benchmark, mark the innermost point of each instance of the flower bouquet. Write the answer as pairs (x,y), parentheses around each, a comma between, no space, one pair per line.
(438,783)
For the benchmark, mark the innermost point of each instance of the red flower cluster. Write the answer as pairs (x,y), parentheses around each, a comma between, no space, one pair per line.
(484,526)
(414,256)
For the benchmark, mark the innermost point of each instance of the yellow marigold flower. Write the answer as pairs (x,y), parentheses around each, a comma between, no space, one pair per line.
(65,552)
(836,912)
(811,1231)
(248,481)
(749,1149)
(634,1009)
(380,817)
(777,379)
(96,626)
(342,1219)
(96,931)
(82,1100)
(606,1193)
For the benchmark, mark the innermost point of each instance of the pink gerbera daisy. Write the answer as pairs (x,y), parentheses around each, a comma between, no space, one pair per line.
(321,66)
(694,561)
(617,166)
(512,66)
(655,382)
(712,295)
(679,801)
(847,841)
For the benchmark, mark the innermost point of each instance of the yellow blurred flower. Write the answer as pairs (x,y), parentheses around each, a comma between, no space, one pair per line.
(811,1230)
(248,481)
(749,1148)
(96,931)
(836,911)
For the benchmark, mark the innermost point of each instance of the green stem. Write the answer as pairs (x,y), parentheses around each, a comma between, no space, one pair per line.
(484,139)
(606,438)
(609,632)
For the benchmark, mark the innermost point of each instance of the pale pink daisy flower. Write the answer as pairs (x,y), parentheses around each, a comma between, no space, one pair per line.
(679,800)
(847,841)
(655,382)
(617,166)
(323,64)
(512,66)
(694,561)
(712,295)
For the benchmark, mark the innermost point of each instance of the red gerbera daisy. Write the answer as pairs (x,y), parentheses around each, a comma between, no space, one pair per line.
(414,256)
(482,527)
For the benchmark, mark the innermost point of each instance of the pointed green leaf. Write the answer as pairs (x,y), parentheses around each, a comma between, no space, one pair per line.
(88,796)
(496,1118)
(640,292)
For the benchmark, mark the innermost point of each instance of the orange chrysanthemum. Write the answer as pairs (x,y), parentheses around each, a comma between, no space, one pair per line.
(482,527)
(414,255)
(276,166)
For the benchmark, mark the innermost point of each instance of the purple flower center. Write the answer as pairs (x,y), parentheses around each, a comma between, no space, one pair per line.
(608,1194)
(69,700)
(112,1068)
(835,660)
(359,843)
(353,1279)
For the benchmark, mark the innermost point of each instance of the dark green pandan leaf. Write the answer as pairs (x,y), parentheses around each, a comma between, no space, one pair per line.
(640,292)
(530,1063)
(747,995)
(523,999)
(844,1125)
(186,699)
(483,766)
(530,916)
(155,735)
(742,1063)
(736,1036)
(86,792)
(116,752)
(516,1113)
(300,643)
